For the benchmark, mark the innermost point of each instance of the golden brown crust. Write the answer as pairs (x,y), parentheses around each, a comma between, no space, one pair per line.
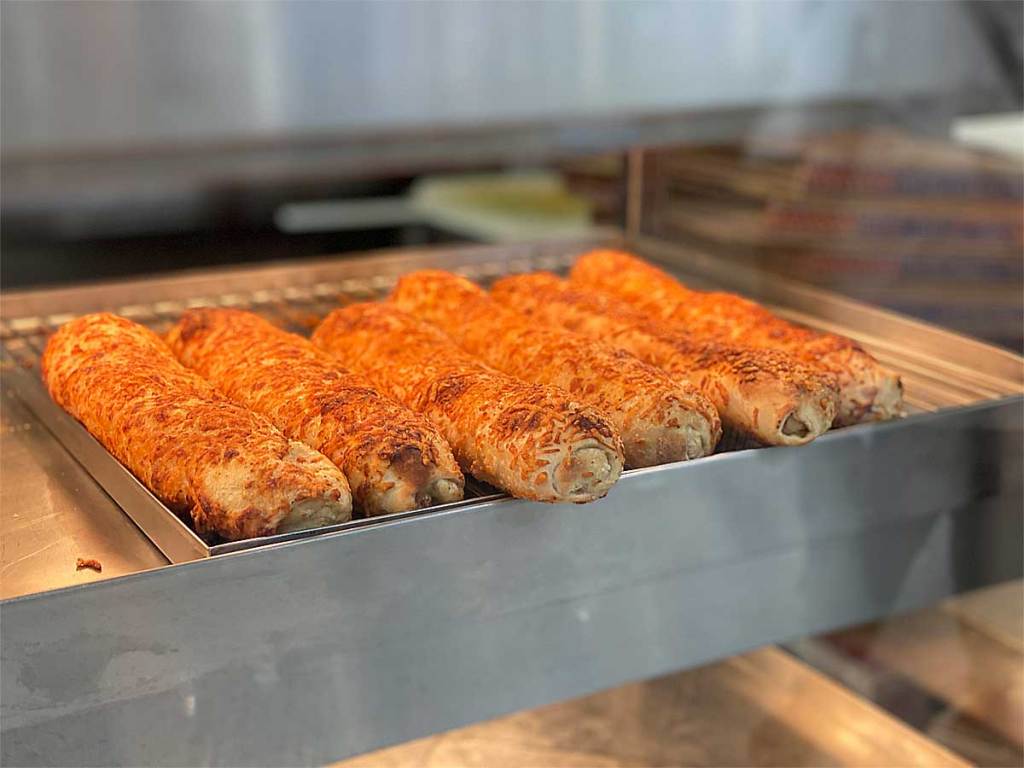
(393,458)
(528,439)
(867,391)
(660,420)
(196,450)
(761,393)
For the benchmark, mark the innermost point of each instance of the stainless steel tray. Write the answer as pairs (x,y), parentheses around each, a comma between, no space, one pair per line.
(308,650)
(297,307)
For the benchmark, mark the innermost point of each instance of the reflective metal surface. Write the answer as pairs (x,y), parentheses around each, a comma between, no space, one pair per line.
(763,708)
(120,76)
(52,512)
(954,671)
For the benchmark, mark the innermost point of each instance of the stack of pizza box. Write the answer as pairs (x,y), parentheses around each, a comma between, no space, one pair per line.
(919,225)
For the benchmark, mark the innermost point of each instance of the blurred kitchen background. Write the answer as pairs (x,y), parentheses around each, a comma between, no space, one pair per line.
(871,148)
(847,144)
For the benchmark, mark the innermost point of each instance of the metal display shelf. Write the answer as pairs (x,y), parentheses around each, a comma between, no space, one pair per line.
(308,650)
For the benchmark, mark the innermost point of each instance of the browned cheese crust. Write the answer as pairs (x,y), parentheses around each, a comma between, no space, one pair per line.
(529,439)
(660,420)
(394,459)
(867,391)
(765,394)
(201,454)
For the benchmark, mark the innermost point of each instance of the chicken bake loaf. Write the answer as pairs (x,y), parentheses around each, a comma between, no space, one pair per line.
(528,439)
(867,391)
(394,459)
(761,393)
(660,420)
(231,470)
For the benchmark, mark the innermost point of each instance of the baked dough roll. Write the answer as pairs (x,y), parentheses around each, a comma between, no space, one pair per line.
(867,391)
(394,459)
(660,420)
(764,394)
(529,439)
(201,454)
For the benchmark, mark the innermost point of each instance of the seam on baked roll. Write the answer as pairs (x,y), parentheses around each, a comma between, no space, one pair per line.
(394,459)
(867,391)
(528,439)
(765,394)
(200,453)
(659,419)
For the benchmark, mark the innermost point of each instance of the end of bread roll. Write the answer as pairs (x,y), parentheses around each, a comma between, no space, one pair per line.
(888,402)
(442,491)
(780,415)
(411,482)
(314,513)
(398,494)
(794,426)
(589,472)
(811,418)
(700,437)
(869,395)
(803,424)
(295,490)
(687,435)
(867,391)
(327,500)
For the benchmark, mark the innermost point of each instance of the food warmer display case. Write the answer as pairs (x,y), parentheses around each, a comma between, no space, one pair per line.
(127,639)
(309,647)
